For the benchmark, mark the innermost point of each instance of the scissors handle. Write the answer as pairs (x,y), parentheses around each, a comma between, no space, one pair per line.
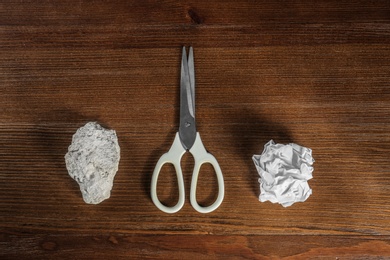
(173,156)
(201,156)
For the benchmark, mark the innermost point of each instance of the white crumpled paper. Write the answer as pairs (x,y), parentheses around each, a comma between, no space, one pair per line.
(284,171)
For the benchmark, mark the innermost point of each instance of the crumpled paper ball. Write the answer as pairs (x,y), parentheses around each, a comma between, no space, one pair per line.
(284,171)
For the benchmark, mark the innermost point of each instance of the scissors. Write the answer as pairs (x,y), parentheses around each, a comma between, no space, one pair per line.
(187,139)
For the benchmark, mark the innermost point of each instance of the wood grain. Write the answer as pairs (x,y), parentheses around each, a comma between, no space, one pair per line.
(198,247)
(316,74)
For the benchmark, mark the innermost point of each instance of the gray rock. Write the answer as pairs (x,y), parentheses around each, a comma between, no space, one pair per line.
(92,161)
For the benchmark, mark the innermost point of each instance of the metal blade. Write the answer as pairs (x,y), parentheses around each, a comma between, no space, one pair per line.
(191,71)
(187,128)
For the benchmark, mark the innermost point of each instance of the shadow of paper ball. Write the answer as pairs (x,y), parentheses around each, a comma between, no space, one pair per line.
(250,133)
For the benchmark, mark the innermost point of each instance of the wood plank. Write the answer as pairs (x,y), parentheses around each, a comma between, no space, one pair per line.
(130,24)
(166,12)
(190,247)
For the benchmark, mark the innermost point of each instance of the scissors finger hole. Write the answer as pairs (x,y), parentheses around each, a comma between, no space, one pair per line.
(207,186)
(167,186)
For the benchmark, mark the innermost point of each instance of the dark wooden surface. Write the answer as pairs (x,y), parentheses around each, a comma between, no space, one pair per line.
(313,73)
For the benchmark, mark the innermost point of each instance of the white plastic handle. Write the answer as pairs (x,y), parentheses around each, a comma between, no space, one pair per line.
(201,156)
(173,156)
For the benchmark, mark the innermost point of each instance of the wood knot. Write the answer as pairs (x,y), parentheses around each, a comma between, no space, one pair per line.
(194,16)
(113,240)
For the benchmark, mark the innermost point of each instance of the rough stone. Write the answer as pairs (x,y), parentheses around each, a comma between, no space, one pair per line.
(92,161)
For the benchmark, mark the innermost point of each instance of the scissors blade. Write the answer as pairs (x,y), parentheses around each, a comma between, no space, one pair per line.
(187,128)
(191,71)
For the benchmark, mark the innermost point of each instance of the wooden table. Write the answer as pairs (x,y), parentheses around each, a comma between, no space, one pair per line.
(313,73)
